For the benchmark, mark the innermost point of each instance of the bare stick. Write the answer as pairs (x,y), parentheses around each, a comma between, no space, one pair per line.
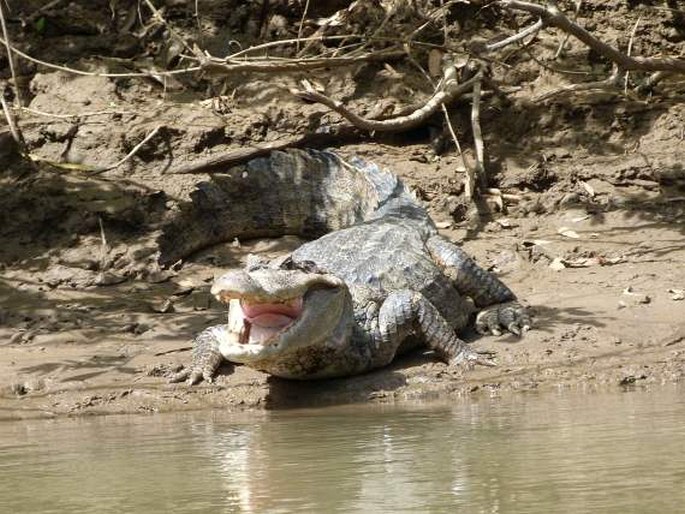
(477,139)
(299,30)
(562,44)
(235,157)
(152,134)
(190,69)
(552,16)
(79,115)
(10,57)
(533,29)
(432,17)
(282,42)
(653,80)
(219,67)
(450,71)
(39,12)
(451,92)
(14,128)
(103,246)
(629,51)
(172,31)
(609,84)
(338,136)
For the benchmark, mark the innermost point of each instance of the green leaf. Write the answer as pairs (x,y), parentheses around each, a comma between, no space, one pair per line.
(40,24)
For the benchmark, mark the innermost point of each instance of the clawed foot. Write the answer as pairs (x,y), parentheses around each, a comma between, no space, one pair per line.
(206,357)
(193,376)
(469,358)
(511,316)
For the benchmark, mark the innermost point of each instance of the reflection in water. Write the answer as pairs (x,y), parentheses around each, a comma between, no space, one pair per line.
(609,452)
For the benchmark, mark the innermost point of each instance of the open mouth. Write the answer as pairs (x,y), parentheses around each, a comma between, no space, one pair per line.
(269,309)
(263,322)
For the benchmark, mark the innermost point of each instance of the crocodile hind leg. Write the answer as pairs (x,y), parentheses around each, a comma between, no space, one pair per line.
(500,308)
(206,357)
(408,313)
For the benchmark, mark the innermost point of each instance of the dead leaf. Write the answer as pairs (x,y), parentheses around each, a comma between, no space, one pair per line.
(581,218)
(557,264)
(567,232)
(535,242)
(677,294)
(588,188)
(585,262)
(505,223)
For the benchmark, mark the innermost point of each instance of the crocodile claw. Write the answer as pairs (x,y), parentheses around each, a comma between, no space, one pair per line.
(180,376)
(192,376)
(511,316)
(469,358)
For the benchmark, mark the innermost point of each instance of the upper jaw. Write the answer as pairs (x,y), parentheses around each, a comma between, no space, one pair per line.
(269,285)
(271,310)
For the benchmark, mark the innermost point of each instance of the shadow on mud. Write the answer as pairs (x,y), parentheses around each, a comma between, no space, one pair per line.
(379,383)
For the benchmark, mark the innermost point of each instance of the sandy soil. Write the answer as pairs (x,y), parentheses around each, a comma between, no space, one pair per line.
(591,237)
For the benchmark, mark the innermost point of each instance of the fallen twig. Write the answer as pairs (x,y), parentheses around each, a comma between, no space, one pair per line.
(552,16)
(233,158)
(104,248)
(11,122)
(629,51)
(39,12)
(79,115)
(158,15)
(449,92)
(533,29)
(311,140)
(608,84)
(479,168)
(448,122)
(301,27)
(562,44)
(152,134)
(222,67)
(50,65)
(281,42)
(10,57)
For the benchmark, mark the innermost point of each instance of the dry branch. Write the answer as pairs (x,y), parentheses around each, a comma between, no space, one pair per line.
(222,67)
(450,92)
(479,168)
(608,84)
(533,29)
(12,123)
(134,151)
(99,74)
(10,56)
(552,16)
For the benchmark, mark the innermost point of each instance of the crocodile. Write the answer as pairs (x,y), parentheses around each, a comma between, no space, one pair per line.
(375,280)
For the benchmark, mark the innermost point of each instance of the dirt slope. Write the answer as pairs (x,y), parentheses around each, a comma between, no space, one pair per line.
(590,234)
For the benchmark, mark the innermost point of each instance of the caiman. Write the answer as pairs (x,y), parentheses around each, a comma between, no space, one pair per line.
(375,280)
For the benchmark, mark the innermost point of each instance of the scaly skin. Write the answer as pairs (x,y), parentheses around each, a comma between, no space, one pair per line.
(381,281)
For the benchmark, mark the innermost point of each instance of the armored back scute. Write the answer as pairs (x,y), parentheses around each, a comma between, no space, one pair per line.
(306,193)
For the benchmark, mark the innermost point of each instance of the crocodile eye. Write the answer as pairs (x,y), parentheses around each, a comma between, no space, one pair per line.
(306,266)
(255,262)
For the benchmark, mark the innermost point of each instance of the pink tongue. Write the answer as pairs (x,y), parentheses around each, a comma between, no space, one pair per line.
(272,315)
(271,320)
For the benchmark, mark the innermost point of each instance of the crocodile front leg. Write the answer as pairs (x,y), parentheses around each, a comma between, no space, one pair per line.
(206,357)
(488,292)
(408,313)
(469,278)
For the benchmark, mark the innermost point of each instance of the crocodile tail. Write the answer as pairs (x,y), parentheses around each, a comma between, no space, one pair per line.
(297,192)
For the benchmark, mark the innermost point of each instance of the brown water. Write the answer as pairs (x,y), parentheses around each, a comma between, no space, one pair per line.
(567,452)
